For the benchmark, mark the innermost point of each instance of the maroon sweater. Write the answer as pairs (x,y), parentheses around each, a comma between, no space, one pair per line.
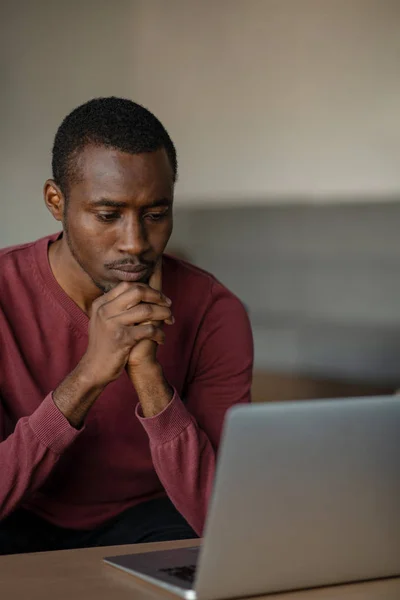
(79,479)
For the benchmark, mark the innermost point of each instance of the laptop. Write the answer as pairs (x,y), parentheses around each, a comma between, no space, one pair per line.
(306,494)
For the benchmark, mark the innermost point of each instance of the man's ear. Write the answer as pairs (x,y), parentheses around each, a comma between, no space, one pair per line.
(54,199)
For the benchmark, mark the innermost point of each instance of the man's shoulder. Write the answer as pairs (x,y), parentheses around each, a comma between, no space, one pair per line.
(13,252)
(186,269)
(14,257)
(16,260)
(16,251)
(187,277)
(205,304)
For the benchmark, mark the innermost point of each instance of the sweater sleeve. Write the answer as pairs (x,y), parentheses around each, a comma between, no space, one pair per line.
(184,438)
(29,454)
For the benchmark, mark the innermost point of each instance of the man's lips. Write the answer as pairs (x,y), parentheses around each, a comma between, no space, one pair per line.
(130,272)
(130,268)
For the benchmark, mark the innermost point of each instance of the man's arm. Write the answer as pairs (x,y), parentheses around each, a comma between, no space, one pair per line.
(184,435)
(30,453)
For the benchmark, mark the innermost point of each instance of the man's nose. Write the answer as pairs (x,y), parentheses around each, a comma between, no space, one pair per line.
(133,238)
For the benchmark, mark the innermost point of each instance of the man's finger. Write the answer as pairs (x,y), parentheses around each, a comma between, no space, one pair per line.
(155,281)
(156,278)
(133,295)
(116,291)
(144,313)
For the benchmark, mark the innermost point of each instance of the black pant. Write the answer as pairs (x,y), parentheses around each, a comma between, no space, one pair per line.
(154,521)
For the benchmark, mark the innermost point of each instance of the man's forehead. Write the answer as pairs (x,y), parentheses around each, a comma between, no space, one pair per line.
(106,172)
(101,161)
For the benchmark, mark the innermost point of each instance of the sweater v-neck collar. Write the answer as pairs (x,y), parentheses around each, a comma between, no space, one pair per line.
(41,248)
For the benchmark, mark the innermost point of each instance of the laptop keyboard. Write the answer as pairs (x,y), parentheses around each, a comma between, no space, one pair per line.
(186,573)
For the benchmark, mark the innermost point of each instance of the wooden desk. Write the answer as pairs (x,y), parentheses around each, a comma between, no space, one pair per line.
(81,575)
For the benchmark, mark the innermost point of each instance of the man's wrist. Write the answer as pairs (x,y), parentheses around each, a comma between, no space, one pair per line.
(153,390)
(87,373)
(87,379)
(76,394)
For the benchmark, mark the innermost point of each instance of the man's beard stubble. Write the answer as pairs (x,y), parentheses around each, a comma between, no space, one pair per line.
(104,288)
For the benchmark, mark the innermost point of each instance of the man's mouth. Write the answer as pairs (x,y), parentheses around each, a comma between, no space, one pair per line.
(131,272)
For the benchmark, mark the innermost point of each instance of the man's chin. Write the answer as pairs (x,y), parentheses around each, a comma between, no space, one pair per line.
(105,287)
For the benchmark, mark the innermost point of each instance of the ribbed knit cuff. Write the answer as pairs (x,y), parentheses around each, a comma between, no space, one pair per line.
(168,424)
(51,427)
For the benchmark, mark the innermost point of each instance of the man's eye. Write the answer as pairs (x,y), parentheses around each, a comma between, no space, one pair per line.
(156,216)
(107,217)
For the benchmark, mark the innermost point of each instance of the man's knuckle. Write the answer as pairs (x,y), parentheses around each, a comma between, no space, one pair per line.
(102,311)
(137,294)
(97,303)
(150,328)
(118,333)
(147,311)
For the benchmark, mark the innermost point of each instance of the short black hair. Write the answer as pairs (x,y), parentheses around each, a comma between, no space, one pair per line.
(118,123)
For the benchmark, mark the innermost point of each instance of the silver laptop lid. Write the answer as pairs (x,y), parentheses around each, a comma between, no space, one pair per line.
(306,494)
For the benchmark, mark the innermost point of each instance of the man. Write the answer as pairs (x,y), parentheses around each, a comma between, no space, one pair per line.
(113,389)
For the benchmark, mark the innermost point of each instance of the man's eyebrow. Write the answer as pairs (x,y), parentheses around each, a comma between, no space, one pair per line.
(109,203)
(106,202)
(159,202)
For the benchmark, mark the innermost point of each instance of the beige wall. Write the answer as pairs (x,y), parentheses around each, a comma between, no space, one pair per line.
(275,97)
(265,99)
(55,55)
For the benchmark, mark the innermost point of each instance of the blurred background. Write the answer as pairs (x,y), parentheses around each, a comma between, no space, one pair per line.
(285,114)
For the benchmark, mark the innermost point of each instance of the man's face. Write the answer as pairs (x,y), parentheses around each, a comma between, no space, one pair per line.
(118,218)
